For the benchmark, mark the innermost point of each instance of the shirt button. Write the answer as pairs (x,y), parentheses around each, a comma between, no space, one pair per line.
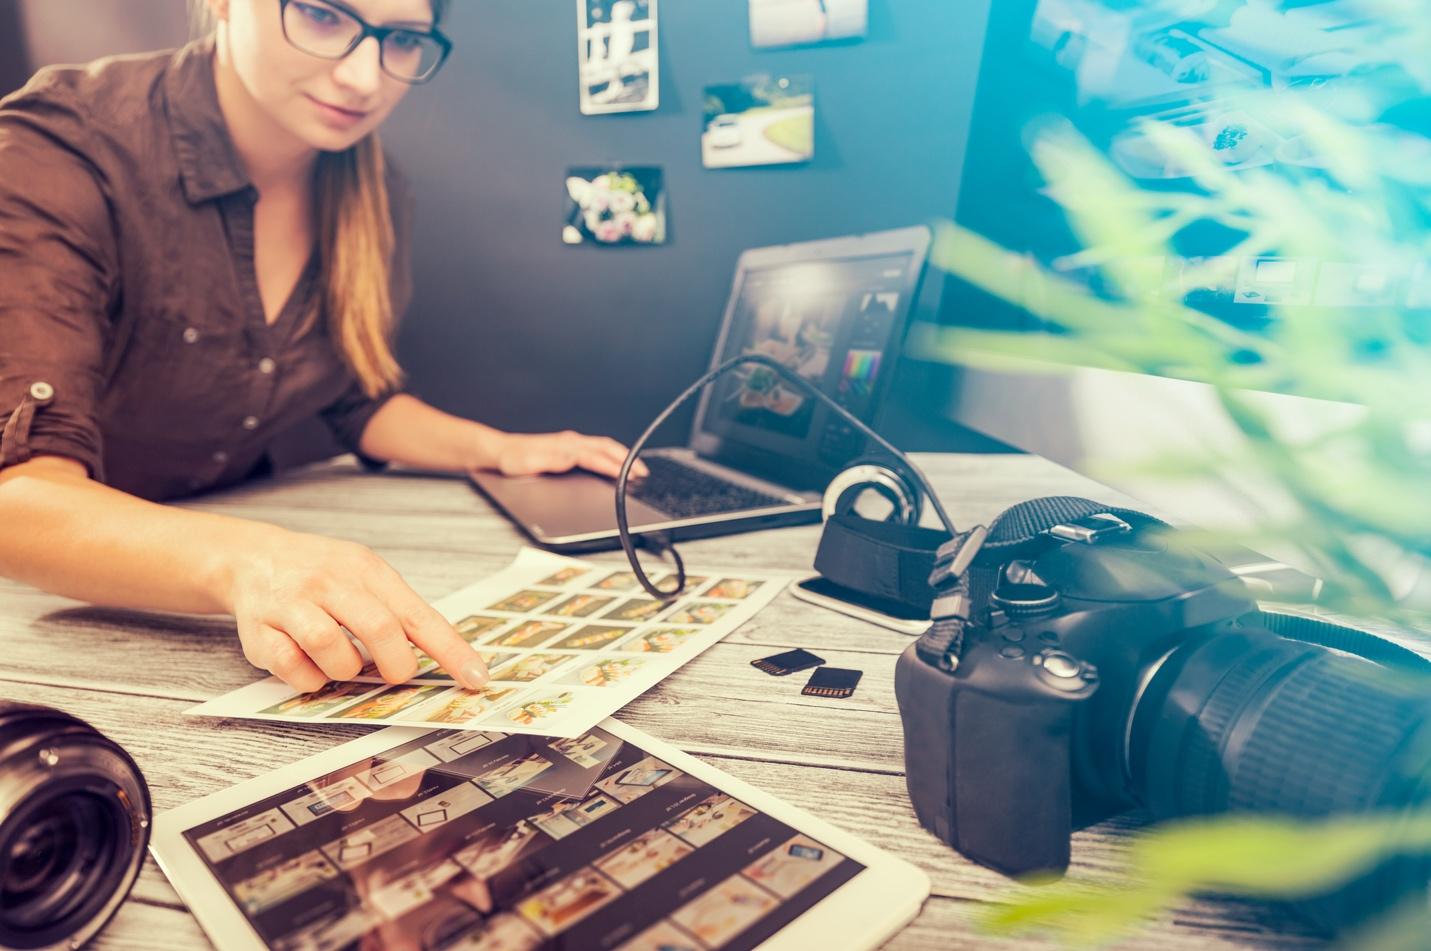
(191,335)
(266,365)
(221,457)
(41,392)
(250,422)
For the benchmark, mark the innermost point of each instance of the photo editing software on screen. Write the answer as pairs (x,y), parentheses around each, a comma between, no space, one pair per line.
(836,323)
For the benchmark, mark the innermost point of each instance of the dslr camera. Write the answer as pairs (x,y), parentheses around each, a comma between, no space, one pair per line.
(1084,663)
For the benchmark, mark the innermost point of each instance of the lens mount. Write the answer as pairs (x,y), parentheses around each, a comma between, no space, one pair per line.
(74,824)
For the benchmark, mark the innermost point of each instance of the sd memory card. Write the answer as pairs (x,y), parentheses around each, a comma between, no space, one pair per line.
(778,665)
(832,682)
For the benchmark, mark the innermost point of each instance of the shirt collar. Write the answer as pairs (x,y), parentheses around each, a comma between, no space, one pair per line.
(209,164)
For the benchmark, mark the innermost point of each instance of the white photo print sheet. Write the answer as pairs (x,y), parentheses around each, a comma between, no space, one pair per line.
(568,643)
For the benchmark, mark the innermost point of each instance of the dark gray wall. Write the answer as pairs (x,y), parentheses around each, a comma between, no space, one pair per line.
(511,326)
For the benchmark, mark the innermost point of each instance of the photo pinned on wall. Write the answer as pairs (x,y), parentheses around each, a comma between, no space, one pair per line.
(613,207)
(618,56)
(775,23)
(768,120)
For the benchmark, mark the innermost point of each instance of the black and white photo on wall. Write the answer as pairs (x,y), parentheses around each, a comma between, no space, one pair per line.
(804,22)
(615,206)
(766,120)
(618,56)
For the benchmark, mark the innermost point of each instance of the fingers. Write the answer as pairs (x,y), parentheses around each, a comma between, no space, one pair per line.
(429,630)
(378,627)
(274,651)
(605,457)
(320,637)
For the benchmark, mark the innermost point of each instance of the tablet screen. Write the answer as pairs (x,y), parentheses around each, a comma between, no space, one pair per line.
(485,840)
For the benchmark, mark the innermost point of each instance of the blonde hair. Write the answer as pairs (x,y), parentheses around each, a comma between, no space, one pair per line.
(356,245)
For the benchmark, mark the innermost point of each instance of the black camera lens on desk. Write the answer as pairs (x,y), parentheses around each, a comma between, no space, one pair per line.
(74,824)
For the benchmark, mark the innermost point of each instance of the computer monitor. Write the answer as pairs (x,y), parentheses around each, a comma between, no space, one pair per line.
(1208,70)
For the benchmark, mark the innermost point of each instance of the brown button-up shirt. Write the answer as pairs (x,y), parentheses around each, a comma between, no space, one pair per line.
(132,335)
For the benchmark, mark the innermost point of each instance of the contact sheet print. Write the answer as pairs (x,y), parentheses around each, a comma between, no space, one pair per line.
(568,643)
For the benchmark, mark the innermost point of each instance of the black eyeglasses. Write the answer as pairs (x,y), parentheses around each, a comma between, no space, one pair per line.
(332,31)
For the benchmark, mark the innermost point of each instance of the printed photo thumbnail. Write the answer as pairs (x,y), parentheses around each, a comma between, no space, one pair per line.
(725,911)
(662,936)
(591,637)
(580,605)
(525,601)
(528,634)
(559,906)
(636,781)
(793,866)
(644,857)
(280,882)
(700,612)
(328,697)
(388,703)
(460,705)
(660,640)
(604,673)
(529,667)
(563,577)
(585,751)
(513,775)
(709,819)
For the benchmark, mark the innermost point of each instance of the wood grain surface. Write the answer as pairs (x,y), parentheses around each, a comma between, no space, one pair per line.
(132,675)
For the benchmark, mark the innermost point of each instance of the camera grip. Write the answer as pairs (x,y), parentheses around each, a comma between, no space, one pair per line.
(1012,801)
(987,758)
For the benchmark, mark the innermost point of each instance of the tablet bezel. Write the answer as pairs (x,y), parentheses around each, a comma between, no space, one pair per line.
(862,913)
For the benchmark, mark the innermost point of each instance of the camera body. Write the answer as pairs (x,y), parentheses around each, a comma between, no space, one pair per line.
(1104,666)
(1026,739)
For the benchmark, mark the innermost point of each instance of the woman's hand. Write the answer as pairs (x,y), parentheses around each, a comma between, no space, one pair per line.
(537,453)
(292,594)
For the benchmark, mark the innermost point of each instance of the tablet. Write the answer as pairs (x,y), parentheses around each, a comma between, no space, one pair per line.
(508,842)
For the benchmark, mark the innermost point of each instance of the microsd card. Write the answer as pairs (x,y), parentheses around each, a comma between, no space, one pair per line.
(778,665)
(832,682)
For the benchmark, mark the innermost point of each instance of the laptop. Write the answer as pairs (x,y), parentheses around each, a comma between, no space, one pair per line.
(760,453)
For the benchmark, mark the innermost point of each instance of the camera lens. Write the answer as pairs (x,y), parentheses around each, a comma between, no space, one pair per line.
(56,860)
(1248,721)
(74,822)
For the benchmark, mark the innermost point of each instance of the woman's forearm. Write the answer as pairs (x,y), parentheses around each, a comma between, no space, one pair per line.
(69,535)
(408,431)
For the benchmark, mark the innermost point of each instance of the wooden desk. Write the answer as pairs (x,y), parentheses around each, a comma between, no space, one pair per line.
(133,675)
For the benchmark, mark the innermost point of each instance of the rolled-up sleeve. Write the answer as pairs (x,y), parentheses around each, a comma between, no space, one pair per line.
(349,416)
(58,271)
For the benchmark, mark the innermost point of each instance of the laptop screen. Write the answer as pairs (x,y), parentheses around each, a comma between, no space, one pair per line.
(837,322)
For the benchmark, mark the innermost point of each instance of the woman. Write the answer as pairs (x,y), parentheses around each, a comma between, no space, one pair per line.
(198,250)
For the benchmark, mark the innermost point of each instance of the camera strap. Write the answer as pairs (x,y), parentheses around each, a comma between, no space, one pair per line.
(952,609)
(1348,640)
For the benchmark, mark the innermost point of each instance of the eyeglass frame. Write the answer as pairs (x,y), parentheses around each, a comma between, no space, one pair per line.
(380,33)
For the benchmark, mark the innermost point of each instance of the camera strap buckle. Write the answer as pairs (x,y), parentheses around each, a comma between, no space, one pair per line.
(1090,528)
(943,643)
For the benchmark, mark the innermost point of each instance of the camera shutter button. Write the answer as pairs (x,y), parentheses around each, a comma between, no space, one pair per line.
(1059,664)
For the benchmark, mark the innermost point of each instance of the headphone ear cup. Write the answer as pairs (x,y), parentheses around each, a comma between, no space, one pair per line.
(885,477)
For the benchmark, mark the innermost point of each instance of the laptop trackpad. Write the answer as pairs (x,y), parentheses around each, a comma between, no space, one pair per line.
(554,506)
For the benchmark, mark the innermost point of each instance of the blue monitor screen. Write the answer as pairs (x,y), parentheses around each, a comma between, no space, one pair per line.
(1225,121)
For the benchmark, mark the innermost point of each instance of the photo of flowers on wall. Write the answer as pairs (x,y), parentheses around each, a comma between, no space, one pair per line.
(623,206)
(769,120)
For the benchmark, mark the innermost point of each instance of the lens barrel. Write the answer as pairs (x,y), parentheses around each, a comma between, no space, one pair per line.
(1248,721)
(74,824)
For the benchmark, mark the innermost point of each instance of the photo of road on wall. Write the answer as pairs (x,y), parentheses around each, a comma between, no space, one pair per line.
(769,120)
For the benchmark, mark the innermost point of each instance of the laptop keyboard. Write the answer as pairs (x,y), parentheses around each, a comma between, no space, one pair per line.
(683,491)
